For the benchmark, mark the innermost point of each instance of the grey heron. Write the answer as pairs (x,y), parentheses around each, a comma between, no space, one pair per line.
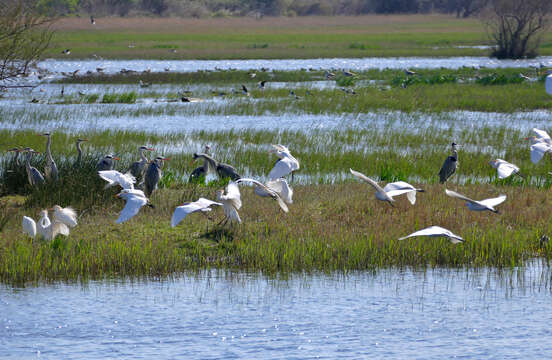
(266,191)
(222,170)
(33,174)
(16,160)
(106,163)
(200,171)
(135,199)
(203,205)
(137,168)
(79,150)
(449,165)
(482,205)
(285,165)
(50,169)
(153,175)
(436,231)
(504,168)
(231,203)
(113,177)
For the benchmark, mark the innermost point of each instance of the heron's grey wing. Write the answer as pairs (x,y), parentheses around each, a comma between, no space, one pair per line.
(367,179)
(460,196)
(492,202)
(37,176)
(133,205)
(68,216)
(281,168)
(29,226)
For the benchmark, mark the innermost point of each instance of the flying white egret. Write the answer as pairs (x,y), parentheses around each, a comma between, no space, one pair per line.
(541,144)
(231,203)
(287,163)
(449,165)
(113,177)
(135,199)
(504,168)
(436,231)
(203,205)
(265,191)
(67,215)
(390,190)
(487,204)
(282,187)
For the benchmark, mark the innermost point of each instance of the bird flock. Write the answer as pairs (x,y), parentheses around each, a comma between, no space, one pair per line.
(143,176)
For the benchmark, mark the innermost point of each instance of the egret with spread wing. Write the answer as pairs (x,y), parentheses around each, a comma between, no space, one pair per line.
(390,190)
(436,231)
(135,199)
(504,168)
(202,205)
(113,177)
(231,203)
(67,215)
(286,165)
(266,191)
(487,204)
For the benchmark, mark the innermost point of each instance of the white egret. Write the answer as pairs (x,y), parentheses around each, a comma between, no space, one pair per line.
(487,204)
(113,177)
(29,226)
(282,187)
(265,191)
(450,165)
(135,199)
(67,215)
(45,228)
(548,84)
(287,163)
(231,203)
(203,205)
(541,144)
(504,168)
(436,231)
(391,189)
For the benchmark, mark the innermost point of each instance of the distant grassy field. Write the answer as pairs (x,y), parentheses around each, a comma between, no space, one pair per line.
(301,37)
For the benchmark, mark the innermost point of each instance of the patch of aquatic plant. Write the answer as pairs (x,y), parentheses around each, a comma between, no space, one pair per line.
(122,98)
(434,79)
(499,79)
(345,81)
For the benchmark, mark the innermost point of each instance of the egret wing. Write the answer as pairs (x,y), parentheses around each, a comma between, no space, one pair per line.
(282,168)
(398,185)
(367,179)
(29,226)
(459,196)
(506,169)
(233,195)
(435,231)
(493,201)
(113,177)
(59,228)
(282,187)
(538,150)
(133,205)
(182,211)
(67,215)
(543,135)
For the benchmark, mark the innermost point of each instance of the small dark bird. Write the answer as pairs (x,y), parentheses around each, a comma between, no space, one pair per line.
(66,51)
(185,99)
(409,72)
(544,240)
(244,90)
(450,165)
(92,20)
(261,84)
(62,90)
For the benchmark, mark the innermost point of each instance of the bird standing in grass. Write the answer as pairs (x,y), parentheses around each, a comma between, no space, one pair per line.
(33,174)
(79,151)
(45,228)
(450,165)
(137,168)
(222,170)
(153,175)
(50,169)
(106,163)
(67,215)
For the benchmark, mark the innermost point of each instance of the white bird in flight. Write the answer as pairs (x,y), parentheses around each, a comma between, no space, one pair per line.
(286,165)
(504,168)
(265,191)
(203,205)
(487,204)
(135,199)
(390,190)
(436,231)
(231,203)
(540,144)
(113,177)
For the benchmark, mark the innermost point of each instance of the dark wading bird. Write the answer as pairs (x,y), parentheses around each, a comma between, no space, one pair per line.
(106,163)
(50,169)
(223,170)
(450,165)
(200,171)
(33,175)
(16,161)
(153,174)
(79,151)
(137,168)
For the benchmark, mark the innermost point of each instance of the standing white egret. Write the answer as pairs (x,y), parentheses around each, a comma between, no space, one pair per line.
(135,199)
(231,202)
(203,205)
(33,175)
(113,177)
(504,168)
(436,231)
(67,215)
(487,204)
(391,189)
(137,168)
(450,165)
(153,175)
(106,163)
(287,163)
(45,228)
(265,191)
(50,169)
(29,226)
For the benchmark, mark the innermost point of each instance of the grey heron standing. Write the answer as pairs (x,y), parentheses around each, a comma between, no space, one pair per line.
(50,169)
(16,160)
(33,175)
(222,170)
(153,175)
(79,150)
(106,163)
(450,165)
(200,171)
(137,168)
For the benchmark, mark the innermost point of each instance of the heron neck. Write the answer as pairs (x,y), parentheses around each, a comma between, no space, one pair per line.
(79,150)
(143,155)
(48,150)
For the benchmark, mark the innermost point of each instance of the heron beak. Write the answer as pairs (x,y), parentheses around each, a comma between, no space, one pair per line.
(116,158)
(150,149)
(166,159)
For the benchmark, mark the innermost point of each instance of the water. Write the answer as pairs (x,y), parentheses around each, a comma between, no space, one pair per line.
(358,64)
(394,314)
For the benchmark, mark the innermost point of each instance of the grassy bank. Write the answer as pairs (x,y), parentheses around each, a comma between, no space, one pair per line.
(329,227)
(301,37)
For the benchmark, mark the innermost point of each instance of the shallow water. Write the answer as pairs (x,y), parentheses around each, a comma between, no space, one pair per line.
(393,314)
(358,64)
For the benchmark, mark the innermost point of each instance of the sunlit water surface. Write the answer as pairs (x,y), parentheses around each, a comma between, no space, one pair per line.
(392,314)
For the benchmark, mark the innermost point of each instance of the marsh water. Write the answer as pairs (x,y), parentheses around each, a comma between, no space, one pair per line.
(431,314)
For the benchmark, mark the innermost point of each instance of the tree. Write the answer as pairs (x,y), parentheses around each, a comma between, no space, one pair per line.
(516,26)
(24,35)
